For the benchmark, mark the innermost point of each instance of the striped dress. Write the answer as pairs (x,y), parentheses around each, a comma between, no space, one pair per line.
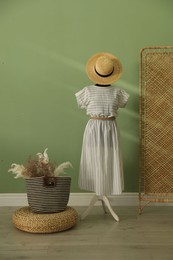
(101,168)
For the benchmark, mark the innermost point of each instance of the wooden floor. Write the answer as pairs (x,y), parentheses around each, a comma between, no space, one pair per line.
(99,236)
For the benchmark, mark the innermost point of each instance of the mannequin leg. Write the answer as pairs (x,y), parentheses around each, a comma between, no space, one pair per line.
(105,202)
(104,206)
(105,199)
(93,201)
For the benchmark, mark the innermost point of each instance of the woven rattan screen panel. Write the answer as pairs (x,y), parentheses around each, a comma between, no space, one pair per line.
(156,125)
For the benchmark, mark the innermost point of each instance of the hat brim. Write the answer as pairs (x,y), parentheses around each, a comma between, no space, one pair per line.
(96,78)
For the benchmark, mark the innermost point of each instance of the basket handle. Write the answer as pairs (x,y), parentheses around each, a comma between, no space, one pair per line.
(49,182)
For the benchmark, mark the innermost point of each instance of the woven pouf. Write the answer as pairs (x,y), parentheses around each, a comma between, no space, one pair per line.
(25,220)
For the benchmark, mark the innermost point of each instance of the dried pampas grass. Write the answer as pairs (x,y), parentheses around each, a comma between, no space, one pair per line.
(60,169)
(38,167)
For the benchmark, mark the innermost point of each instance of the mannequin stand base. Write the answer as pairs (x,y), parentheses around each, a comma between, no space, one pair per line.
(105,202)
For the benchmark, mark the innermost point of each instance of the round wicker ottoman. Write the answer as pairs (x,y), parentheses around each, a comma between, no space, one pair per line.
(25,220)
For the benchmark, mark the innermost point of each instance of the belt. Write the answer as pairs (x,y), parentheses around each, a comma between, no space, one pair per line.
(102,118)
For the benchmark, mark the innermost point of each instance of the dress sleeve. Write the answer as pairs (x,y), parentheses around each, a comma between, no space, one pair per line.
(82,98)
(123,97)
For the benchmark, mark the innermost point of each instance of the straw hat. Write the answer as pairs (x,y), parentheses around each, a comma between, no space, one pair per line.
(103,68)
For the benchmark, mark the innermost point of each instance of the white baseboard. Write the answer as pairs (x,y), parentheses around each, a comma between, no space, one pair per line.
(77,199)
(83,199)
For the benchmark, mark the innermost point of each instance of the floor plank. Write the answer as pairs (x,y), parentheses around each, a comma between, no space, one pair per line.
(99,236)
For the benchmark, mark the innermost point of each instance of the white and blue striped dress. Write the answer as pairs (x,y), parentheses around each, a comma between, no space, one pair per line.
(101,168)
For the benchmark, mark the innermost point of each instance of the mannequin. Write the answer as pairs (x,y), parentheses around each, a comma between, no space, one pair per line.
(101,163)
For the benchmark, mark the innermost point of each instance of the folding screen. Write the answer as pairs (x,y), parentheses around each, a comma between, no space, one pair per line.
(156,126)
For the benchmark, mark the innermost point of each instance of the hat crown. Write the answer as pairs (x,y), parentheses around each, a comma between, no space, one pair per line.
(104,68)
(104,65)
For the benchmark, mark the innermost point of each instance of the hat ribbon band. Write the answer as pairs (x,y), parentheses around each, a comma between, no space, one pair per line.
(104,76)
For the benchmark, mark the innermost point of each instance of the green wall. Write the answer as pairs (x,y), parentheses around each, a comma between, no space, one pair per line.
(44,46)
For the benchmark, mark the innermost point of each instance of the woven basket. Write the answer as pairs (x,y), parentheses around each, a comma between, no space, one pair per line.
(48,194)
